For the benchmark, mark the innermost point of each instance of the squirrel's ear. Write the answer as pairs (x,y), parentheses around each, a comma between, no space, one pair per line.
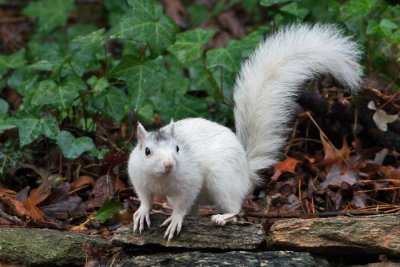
(172,126)
(141,133)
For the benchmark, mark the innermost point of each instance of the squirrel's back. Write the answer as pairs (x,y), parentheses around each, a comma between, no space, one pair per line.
(271,78)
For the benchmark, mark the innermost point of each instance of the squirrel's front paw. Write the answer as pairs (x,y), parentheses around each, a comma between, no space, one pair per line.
(175,225)
(138,219)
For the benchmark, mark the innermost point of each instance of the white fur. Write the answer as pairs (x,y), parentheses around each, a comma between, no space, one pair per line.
(213,165)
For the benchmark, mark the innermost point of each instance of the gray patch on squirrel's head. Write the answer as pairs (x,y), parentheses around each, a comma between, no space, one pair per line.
(159,136)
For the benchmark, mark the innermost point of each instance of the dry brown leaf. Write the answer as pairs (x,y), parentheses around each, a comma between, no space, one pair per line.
(102,189)
(59,205)
(336,177)
(8,197)
(81,182)
(37,196)
(287,165)
(332,154)
(390,172)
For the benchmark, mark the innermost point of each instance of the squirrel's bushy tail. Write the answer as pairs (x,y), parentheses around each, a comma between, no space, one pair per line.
(271,78)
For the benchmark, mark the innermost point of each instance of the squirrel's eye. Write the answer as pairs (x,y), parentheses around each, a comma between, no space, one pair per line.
(177,148)
(147,151)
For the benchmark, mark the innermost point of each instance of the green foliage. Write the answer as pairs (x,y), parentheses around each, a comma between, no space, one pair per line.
(72,75)
(73,147)
(141,77)
(51,13)
(10,157)
(145,22)
(31,128)
(189,45)
(110,207)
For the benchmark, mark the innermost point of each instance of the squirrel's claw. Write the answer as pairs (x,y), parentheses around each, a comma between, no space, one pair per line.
(139,217)
(175,226)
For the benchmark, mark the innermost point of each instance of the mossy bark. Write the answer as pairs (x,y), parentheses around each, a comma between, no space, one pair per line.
(48,247)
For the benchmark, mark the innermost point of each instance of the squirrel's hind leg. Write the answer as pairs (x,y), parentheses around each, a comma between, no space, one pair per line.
(228,187)
(222,219)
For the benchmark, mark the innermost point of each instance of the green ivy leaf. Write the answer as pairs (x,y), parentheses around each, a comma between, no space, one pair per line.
(72,147)
(115,8)
(142,77)
(295,10)
(99,153)
(224,63)
(93,40)
(61,95)
(189,45)
(86,50)
(268,3)
(3,107)
(224,57)
(51,13)
(387,26)
(13,61)
(373,27)
(78,30)
(145,22)
(176,103)
(6,124)
(31,128)
(114,103)
(110,207)
(354,8)
(230,57)
(98,85)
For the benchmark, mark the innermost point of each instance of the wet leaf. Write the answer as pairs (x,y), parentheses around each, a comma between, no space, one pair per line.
(102,190)
(82,181)
(110,207)
(60,205)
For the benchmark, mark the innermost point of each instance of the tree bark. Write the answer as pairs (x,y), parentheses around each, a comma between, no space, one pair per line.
(196,233)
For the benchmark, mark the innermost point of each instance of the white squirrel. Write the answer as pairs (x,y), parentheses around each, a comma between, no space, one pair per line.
(194,160)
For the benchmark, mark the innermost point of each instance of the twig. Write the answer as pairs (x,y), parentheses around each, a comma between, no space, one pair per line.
(381,181)
(389,100)
(379,189)
(393,81)
(327,139)
(313,215)
(292,137)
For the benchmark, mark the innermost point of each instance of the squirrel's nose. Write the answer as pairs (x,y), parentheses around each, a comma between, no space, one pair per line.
(168,166)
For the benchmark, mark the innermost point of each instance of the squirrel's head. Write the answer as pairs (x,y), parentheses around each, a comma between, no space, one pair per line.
(159,150)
